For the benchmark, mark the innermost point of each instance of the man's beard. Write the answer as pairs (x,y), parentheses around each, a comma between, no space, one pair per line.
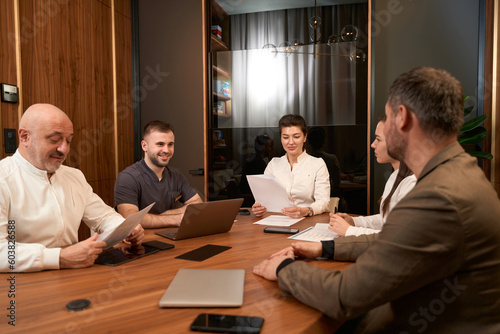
(45,163)
(396,145)
(154,159)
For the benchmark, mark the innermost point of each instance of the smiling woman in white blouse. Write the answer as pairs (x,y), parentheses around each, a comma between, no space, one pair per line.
(304,177)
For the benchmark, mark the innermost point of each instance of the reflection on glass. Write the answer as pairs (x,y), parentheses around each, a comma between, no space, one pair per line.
(349,33)
(265,88)
(274,69)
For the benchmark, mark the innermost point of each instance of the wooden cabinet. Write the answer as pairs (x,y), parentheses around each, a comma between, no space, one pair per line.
(220,156)
(221,65)
(221,86)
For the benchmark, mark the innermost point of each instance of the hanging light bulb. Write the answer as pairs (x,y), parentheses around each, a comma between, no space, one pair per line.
(269,50)
(315,37)
(349,33)
(357,55)
(296,44)
(286,48)
(315,21)
(334,39)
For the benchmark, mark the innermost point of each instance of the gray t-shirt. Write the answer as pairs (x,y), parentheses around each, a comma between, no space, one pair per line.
(139,185)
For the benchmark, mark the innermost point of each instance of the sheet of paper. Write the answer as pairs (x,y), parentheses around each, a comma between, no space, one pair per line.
(124,229)
(268,192)
(318,232)
(276,220)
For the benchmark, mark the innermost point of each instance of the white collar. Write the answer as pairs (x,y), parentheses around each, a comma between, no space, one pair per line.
(29,166)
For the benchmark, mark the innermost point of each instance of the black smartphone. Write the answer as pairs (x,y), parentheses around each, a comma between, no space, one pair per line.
(285,230)
(244,212)
(158,244)
(221,323)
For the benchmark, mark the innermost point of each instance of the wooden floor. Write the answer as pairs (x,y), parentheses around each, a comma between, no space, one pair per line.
(125,298)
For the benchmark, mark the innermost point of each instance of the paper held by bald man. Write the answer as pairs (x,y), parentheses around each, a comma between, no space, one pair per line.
(124,229)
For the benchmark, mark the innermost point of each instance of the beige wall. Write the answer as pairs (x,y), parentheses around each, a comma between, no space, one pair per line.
(171,36)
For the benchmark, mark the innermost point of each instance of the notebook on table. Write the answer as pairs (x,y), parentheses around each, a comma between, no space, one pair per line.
(205,288)
(205,218)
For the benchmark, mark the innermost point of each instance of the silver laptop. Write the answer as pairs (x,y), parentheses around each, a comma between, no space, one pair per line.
(205,288)
(204,219)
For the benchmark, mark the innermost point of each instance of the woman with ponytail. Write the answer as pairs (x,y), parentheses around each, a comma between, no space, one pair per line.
(397,186)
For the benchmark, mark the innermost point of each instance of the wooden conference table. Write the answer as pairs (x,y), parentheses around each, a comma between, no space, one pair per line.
(124,298)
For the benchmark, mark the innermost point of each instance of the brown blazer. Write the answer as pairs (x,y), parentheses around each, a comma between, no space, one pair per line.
(434,267)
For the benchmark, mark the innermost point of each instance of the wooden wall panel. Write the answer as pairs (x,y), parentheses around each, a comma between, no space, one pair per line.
(125,126)
(103,103)
(66,55)
(106,2)
(8,69)
(123,7)
(104,187)
(68,67)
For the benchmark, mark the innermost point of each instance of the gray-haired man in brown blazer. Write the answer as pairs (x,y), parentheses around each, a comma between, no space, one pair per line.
(435,266)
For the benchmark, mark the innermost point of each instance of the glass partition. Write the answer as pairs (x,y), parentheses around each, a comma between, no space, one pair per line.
(265,85)
(258,76)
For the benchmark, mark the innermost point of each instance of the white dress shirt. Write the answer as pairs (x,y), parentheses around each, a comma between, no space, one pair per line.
(307,184)
(373,224)
(45,214)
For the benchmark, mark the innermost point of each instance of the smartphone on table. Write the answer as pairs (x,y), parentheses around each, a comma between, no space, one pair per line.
(222,323)
(285,230)
(244,212)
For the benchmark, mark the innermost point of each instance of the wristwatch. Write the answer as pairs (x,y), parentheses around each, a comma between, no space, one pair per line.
(309,212)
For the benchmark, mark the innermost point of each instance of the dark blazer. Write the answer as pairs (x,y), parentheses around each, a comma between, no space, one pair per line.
(434,267)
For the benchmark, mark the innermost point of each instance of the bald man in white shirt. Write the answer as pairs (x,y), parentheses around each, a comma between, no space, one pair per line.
(42,202)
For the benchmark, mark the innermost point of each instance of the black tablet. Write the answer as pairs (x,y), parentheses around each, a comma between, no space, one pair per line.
(119,255)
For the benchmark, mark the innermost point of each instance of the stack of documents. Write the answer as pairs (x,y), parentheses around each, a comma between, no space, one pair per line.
(319,232)
(275,220)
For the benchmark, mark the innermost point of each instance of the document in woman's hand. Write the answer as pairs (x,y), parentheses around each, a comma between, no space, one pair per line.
(268,192)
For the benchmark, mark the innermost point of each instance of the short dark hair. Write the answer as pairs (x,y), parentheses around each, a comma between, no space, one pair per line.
(293,120)
(261,142)
(316,137)
(433,95)
(159,126)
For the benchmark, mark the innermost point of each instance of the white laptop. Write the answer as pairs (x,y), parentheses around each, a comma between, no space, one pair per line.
(205,218)
(205,288)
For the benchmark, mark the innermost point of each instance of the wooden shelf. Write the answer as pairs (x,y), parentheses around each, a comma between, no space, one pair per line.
(221,72)
(222,115)
(218,45)
(221,69)
(221,97)
(218,13)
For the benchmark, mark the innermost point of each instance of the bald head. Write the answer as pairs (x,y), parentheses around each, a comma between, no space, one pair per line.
(45,134)
(42,115)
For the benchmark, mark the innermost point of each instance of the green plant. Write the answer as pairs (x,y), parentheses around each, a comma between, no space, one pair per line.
(473,133)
